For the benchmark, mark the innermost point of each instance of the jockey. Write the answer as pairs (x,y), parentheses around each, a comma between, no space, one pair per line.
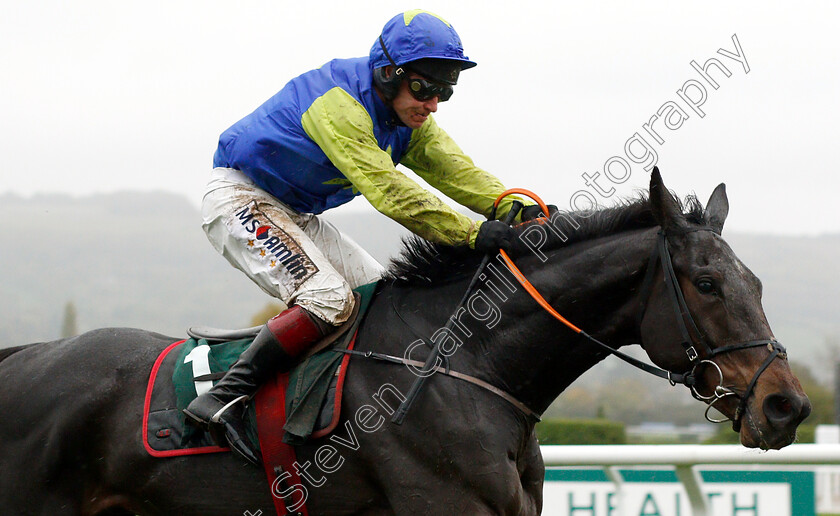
(328,136)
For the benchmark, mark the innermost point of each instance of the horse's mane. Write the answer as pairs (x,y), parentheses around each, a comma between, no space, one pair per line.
(423,263)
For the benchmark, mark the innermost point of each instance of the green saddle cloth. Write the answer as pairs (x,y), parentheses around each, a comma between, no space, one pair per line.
(311,383)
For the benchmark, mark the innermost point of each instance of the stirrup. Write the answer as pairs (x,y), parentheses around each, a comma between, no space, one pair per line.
(217,417)
(241,445)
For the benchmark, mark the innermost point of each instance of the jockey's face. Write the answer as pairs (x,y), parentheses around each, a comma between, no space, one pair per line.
(412,112)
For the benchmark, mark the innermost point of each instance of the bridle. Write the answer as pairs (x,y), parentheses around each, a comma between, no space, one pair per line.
(662,255)
(683,315)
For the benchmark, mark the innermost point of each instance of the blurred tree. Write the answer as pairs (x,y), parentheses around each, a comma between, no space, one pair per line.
(575,402)
(631,398)
(269,311)
(625,399)
(69,324)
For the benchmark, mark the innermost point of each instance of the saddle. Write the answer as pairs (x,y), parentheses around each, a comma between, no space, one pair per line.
(309,406)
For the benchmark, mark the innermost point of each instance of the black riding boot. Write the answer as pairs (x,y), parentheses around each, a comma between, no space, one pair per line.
(274,350)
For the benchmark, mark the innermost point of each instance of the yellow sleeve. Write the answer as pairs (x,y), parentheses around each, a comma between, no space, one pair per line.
(433,155)
(343,129)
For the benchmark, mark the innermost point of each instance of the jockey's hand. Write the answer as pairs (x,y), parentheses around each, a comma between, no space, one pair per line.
(533,212)
(494,235)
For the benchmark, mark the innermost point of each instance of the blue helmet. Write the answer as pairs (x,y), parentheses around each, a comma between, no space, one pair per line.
(422,42)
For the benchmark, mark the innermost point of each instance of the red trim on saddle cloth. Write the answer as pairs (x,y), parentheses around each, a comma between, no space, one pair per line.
(270,404)
(339,389)
(294,329)
(147,403)
(271,416)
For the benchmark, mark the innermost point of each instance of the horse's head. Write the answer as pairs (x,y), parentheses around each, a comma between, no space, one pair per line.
(739,367)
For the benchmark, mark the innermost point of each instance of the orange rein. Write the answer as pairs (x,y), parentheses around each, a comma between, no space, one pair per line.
(529,287)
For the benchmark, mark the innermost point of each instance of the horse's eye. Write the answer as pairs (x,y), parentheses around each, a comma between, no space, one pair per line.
(705,286)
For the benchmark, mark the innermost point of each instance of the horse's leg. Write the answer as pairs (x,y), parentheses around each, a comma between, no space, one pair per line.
(471,464)
(532,475)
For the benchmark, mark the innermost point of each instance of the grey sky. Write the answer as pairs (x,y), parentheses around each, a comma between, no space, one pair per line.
(98,96)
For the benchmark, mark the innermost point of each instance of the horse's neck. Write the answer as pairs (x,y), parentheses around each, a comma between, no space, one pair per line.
(595,285)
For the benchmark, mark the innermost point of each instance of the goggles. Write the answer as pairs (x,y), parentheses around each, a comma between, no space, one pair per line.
(424,90)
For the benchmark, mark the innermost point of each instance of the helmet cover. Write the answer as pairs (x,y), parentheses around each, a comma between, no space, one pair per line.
(419,34)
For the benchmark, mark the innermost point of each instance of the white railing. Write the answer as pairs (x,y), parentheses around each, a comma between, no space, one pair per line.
(685,458)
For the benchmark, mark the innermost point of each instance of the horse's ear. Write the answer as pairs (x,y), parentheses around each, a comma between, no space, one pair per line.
(666,210)
(717,208)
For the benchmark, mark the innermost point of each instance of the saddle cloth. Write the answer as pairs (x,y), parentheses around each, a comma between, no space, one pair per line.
(311,399)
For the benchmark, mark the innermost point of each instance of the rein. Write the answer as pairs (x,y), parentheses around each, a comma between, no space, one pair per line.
(434,356)
(662,254)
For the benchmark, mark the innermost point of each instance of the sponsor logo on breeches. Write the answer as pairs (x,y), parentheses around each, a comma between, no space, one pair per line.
(275,245)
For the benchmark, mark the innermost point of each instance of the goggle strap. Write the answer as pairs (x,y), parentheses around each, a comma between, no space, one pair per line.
(397,69)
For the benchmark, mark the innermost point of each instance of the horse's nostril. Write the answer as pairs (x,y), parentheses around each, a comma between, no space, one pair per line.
(782,410)
(784,405)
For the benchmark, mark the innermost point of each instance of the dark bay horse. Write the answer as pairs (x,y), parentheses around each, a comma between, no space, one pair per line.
(70,410)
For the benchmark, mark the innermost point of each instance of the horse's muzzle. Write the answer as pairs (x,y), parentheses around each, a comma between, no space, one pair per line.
(783,412)
(786,411)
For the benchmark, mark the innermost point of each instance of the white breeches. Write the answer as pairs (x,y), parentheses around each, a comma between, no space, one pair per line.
(298,258)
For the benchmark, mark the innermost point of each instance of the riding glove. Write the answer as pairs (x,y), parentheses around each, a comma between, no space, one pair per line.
(494,235)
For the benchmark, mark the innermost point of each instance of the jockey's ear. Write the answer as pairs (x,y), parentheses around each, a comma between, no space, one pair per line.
(666,210)
(717,208)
